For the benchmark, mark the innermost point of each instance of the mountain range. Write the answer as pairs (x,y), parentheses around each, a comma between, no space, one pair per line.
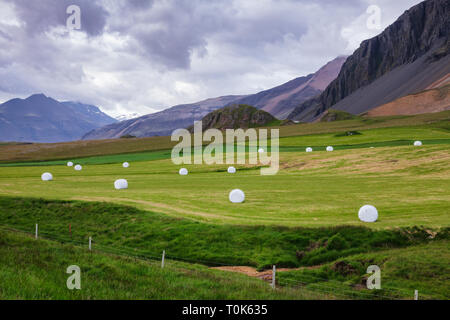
(403,70)
(407,57)
(39,118)
(161,123)
(278,101)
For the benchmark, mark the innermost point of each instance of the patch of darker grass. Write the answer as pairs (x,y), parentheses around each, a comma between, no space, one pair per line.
(147,234)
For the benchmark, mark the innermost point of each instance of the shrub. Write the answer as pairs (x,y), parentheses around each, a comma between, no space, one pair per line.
(337,242)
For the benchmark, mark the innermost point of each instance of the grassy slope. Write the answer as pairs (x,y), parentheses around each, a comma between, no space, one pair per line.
(336,115)
(148,234)
(33,269)
(424,267)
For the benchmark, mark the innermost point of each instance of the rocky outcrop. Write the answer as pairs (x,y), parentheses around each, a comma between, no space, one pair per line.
(418,40)
(237,116)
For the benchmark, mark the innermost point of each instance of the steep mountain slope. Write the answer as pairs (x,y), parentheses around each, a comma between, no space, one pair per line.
(281,100)
(161,123)
(407,57)
(89,113)
(236,116)
(42,119)
(428,101)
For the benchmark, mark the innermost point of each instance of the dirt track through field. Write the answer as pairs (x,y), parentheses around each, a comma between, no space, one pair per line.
(252,272)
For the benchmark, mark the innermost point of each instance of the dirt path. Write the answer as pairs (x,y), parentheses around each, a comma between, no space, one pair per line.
(252,272)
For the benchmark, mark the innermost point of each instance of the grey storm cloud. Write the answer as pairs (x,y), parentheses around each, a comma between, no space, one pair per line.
(140,4)
(40,16)
(172,30)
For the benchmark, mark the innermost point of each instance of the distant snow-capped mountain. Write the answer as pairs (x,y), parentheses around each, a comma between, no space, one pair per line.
(39,118)
(127,116)
(161,123)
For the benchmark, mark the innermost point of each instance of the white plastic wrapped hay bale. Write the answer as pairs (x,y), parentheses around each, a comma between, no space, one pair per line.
(368,213)
(236,196)
(183,172)
(121,184)
(231,169)
(47,176)
(78,167)
(417,143)
(70,164)
(125,164)
(260,150)
(309,149)
(330,148)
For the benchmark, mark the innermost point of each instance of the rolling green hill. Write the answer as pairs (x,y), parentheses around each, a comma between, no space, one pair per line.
(33,269)
(125,267)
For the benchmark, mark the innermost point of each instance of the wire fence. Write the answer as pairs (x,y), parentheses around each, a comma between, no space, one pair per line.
(310,282)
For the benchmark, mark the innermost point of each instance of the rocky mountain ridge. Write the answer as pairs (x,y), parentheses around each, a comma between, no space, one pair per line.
(413,50)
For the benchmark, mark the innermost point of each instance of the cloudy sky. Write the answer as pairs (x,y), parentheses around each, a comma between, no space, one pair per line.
(146,55)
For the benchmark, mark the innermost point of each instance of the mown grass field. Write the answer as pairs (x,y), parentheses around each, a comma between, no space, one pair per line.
(408,185)
(287,219)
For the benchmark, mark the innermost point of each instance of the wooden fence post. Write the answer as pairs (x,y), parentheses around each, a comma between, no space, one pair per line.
(90,243)
(416,294)
(162,260)
(36,235)
(273,276)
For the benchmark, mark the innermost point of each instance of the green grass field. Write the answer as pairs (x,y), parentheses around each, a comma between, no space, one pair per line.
(287,219)
(110,276)
(408,185)
(147,233)
(423,267)
(423,126)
